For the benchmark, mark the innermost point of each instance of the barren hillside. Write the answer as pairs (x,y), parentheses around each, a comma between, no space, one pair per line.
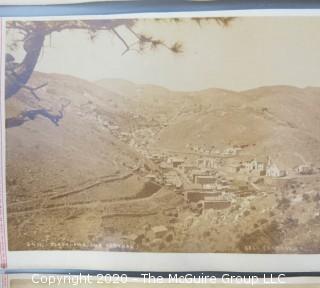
(282,122)
(279,121)
(91,164)
(45,155)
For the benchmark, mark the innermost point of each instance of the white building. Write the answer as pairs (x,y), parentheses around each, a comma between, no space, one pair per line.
(206,163)
(254,165)
(273,171)
(230,151)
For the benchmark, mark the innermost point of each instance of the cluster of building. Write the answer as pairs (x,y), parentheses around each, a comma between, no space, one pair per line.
(201,175)
(212,150)
(260,168)
(196,178)
(271,169)
(204,179)
(202,170)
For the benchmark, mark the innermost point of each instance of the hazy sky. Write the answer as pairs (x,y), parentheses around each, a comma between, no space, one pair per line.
(251,52)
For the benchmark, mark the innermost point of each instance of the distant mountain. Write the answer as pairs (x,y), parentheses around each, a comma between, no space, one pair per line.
(279,121)
(282,122)
(128,88)
(150,101)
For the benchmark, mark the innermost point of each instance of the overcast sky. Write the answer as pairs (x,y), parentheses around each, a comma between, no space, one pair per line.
(252,52)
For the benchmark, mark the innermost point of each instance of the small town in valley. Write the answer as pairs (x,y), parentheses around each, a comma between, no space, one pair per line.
(128,135)
(209,177)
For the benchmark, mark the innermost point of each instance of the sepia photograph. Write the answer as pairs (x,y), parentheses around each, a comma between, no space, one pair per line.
(189,135)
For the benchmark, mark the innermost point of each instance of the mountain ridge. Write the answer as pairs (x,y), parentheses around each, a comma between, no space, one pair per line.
(272,120)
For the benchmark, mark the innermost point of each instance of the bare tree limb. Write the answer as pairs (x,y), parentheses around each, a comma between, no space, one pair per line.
(122,40)
(33,90)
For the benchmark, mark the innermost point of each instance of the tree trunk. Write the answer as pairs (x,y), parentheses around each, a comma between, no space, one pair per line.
(20,75)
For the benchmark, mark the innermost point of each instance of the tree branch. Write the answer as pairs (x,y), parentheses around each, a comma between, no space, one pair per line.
(154,43)
(122,40)
(33,90)
(35,32)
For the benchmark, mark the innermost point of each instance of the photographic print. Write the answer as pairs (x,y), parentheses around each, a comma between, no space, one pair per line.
(163,134)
